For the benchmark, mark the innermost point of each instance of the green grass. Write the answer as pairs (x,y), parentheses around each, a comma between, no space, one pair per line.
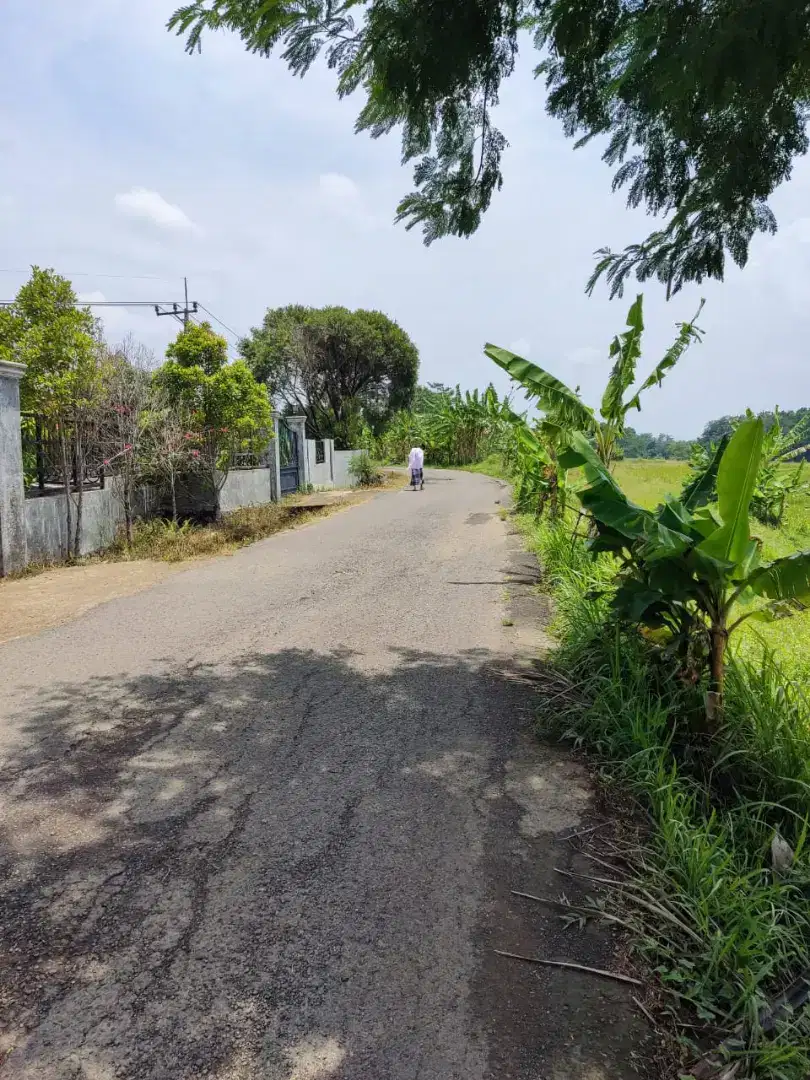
(492,465)
(646,481)
(717,930)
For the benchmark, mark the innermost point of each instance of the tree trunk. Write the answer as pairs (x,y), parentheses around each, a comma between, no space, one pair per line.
(173,484)
(79,458)
(66,474)
(128,510)
(718,637)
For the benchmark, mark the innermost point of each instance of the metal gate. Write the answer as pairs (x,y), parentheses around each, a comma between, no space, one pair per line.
(288,450)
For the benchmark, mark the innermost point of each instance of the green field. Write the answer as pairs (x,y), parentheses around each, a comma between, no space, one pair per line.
(646,482)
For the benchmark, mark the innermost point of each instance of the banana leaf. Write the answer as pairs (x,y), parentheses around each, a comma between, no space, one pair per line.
(625,351)
(552,395)
(687,333)
(736,480)
(783,579)
(700,490)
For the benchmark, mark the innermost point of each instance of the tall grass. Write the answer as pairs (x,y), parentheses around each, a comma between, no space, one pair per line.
(723,932)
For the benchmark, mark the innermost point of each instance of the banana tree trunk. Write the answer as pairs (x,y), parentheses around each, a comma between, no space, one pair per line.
(718,639)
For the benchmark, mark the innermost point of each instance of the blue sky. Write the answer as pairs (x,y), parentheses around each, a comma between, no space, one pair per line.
(120,155)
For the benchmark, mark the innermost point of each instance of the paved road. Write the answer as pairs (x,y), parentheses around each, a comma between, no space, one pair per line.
(263,819)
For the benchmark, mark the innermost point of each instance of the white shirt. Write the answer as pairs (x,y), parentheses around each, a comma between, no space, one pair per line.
(416,458)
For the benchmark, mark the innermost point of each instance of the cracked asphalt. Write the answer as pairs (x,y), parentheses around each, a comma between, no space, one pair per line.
(263,820)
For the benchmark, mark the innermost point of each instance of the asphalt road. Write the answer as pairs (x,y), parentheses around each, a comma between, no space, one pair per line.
(263,819)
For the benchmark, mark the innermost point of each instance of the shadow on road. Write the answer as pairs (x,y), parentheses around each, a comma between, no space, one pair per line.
(292,867)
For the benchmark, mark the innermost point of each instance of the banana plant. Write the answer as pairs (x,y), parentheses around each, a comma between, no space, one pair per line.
(564,405)
(691,572)
(774,484)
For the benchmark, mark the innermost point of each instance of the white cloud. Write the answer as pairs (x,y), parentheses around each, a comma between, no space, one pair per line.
(522,346)
(342,198)
(798,230)
(587,356)
(151,206)
(338,188)
(94,297)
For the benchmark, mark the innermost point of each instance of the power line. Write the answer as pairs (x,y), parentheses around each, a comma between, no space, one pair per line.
(221,323)
(110,303)
(85,273)
(184,312)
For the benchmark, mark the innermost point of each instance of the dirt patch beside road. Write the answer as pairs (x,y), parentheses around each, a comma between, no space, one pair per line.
(31,604)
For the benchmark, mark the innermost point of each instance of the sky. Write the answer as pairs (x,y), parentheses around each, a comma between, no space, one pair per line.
(126,165)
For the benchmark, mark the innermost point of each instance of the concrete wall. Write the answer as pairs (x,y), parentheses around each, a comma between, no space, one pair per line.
(343,478)
(246,487)
(321,476)
(102,517)
(102,514)
(12,495)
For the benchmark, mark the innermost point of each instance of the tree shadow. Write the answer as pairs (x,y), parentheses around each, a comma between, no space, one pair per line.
(286,856)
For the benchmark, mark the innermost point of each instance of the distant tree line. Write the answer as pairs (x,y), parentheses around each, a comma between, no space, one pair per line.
(716,429)
(643,444)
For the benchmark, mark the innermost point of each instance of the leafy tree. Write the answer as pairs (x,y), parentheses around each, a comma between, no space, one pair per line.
(229,410)
(59,343)
(702,105)
(463,425)
(644,444)
(342,369)
(788,420)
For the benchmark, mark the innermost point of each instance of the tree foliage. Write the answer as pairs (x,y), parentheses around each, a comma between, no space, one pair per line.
(342,369)
(644,444)
(60,344)
(56,340)
(702,104)
(453,427)
(228,410)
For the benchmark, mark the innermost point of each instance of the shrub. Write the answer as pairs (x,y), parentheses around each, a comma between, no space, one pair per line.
(365,470)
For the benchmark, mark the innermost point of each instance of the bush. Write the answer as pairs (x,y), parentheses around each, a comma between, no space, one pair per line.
(365,470)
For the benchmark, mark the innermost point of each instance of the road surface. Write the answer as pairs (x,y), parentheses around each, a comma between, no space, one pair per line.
(262,820)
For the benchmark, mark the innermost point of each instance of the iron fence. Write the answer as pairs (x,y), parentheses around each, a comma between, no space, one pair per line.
(43,457)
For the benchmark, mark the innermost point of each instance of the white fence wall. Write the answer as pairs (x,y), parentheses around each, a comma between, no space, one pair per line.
(343,478)
(321,475)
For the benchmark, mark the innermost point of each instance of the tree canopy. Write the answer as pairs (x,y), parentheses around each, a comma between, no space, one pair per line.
(341,369)
(228,410)
(702,103)
(56,340)
(643,444)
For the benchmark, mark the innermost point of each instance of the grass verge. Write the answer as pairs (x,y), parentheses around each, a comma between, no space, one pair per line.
(721,929)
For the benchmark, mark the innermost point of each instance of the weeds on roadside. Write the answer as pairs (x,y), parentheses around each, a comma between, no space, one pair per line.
(177,541)
(365,470)
(723,930)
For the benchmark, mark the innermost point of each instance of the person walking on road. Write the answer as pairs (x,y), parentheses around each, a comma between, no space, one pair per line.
(416,461)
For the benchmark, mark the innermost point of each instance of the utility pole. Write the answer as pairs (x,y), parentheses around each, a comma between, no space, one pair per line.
(182,314)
